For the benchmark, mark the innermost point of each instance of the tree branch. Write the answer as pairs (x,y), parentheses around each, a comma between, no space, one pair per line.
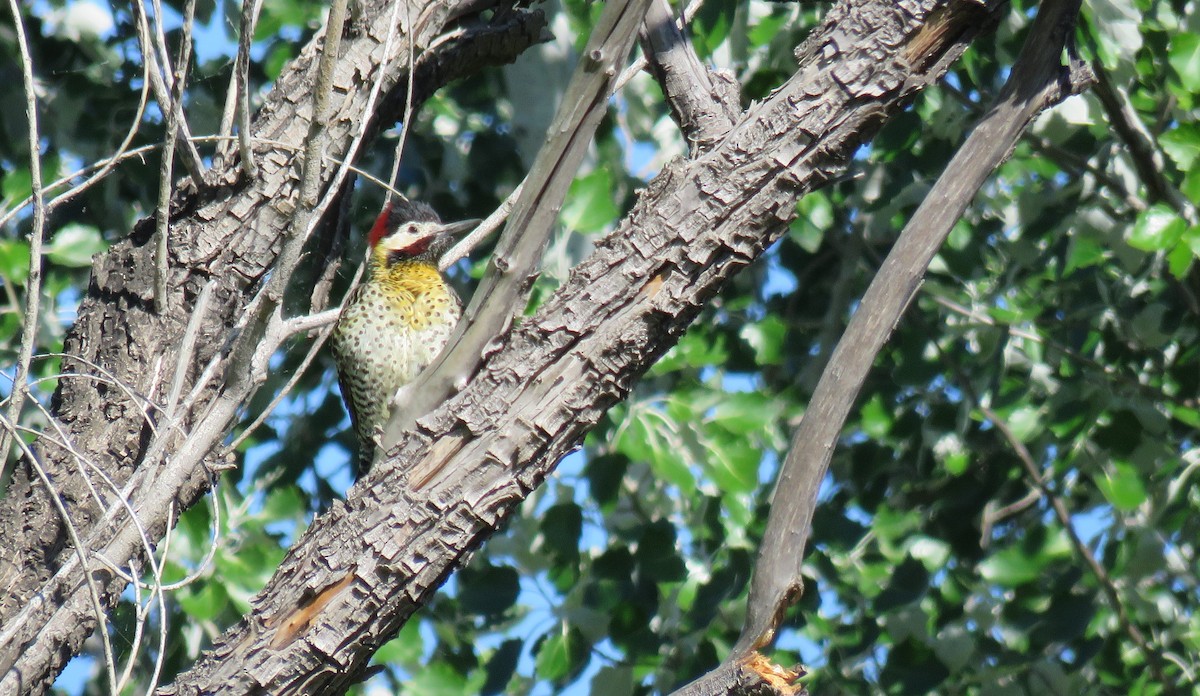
(1037,81)
(33,283)
(703,102)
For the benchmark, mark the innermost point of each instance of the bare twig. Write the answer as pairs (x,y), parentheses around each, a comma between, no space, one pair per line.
(172,111)
(330,247)
(138,627)
(641,62)
(263,312)
(313,349)
(102,168)
(993,513)
(250,9)
(1109,371)
(187,348)
(704,103)
(314,321)
(1141,144)
(159,64)
(1081,549)
(408,103)
(33,284)
(155,487)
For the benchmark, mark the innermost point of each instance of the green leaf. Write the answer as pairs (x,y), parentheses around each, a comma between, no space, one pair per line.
(648,437)
(501,666)
(1123,487)
(733,465)
(17,185)
(490,590)
(814,217)
(766,29)
(74,245)
(1191,183)
(932,553)
(875,417)
(711,25)
(954,646)
(1085,252)
(1025,423)
(1156,229)
(1011,567)
(1025,562)
(1182,144)
(561,527)
(613,681)
(1184,56)
(205,604)
(561,655)
(1179,260)
(697,348)
(14,260)
(283,503)
(1118,30)
(406,648)
(745,413)
(437,679)
(1188,416)
(766,338)
(589,205)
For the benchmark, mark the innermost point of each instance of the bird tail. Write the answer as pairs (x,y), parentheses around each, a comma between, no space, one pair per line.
(366,456)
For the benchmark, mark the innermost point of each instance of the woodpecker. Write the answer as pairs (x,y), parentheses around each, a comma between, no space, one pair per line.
(396,322)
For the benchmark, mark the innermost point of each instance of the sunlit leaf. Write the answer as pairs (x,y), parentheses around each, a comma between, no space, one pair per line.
(1123,487)
(74,245)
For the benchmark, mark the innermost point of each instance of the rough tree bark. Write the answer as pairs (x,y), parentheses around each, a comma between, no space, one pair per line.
(362,568)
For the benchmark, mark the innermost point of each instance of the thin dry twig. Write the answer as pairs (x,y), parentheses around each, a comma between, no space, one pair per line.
(313,349)
(119,539)
(1081,549)
(33,284)
(160,71)
(248,359)
(102,167)
(408,102)
(501,294)
(188,347)
(173,111)
(250,9)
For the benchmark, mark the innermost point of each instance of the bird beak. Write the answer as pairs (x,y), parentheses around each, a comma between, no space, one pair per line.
(457,229)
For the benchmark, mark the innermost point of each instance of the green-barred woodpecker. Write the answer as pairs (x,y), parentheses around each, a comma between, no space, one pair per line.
(396,322)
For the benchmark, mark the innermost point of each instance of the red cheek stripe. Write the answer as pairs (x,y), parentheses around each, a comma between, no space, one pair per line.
(380,228)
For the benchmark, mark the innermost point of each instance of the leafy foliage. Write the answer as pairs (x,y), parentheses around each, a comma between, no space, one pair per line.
(1059,321)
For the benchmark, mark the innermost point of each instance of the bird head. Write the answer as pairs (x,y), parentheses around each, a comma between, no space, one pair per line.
(411,230)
